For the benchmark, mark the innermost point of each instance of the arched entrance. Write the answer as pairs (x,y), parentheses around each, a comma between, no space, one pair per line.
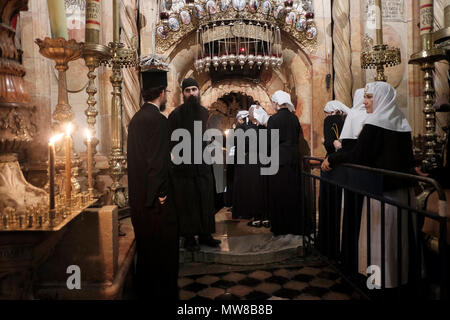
(223,112)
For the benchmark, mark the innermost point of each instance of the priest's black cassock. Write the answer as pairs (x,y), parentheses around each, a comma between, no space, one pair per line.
(249,186)
(284,198)
(193,183)
(155,224)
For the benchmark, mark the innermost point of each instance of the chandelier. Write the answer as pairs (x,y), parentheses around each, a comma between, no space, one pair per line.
(236,34)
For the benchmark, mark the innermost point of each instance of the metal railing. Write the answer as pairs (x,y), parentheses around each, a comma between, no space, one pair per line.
(349,184)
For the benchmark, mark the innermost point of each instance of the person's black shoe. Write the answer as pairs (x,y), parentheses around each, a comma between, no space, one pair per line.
(209,241)
(190,244)
(266,224)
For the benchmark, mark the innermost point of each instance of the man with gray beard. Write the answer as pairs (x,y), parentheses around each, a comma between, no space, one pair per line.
(193,183)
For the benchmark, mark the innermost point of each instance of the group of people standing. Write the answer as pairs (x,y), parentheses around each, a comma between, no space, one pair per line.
(375,134)
(273,201)
(169,200)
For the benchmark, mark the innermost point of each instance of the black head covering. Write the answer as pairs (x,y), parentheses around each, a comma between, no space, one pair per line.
(189,82)
(154,78)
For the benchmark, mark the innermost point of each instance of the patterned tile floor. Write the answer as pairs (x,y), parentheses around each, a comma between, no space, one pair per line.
(306,282)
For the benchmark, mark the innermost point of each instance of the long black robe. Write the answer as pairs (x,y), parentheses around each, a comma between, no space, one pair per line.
(193,183)
(351,222)
(249,186)
(379,148)
(330,196)
(284,192)
(155,225)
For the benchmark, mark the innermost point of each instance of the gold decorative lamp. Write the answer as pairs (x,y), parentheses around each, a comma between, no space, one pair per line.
(426,59)
(380,56)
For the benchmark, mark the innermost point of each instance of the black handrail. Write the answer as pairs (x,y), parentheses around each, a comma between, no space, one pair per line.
(406,176)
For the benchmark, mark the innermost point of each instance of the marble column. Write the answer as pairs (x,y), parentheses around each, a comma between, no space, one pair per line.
(342,52)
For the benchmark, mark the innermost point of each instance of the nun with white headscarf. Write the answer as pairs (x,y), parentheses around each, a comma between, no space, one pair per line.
(330,195)
(332,125)
(384,142)
(354,121)
(285,202)
(351,217)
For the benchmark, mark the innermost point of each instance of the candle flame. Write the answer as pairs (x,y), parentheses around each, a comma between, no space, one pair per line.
(88,135)
(56,138)
(227,132)
(69,129)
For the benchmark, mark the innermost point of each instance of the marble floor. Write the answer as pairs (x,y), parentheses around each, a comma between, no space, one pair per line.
(252,264)
(310,281)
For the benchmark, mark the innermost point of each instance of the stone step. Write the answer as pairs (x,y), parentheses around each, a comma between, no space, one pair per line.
(247,250)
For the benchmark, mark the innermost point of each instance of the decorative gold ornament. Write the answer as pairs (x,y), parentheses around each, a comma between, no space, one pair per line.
(62,52)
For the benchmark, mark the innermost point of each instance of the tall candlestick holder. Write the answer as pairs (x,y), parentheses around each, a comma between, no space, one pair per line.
(121,57)
(63,51)
(93,55)
(426,59)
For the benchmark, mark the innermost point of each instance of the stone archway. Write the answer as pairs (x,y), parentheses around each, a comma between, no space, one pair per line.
(295,76)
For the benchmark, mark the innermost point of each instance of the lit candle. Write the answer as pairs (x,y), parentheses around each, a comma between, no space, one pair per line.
(379,21)
(51,169)
(93,11)
(58,20)
(68,166)
(116,21)
(89,160)
(426,16)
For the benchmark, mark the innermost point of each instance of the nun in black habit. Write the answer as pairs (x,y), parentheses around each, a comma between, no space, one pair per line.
(193,182)
(285,211)
(330,196)
(249,200)
(154,221)
(384,142)
(351,218)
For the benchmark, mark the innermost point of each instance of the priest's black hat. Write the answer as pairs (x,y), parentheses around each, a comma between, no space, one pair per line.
(154,79)
(189,82)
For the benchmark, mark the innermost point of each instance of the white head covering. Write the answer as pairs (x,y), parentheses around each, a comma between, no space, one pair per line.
(386,114)
(260,114)
(334,106)
(242,114)
(355,119)
(281,97)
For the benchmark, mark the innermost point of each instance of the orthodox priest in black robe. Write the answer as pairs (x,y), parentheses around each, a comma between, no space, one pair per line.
(193,180)
(154,221)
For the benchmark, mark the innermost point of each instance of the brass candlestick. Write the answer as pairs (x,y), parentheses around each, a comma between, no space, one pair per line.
(62,51)
(93,55)
(121,58)
(426,59)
